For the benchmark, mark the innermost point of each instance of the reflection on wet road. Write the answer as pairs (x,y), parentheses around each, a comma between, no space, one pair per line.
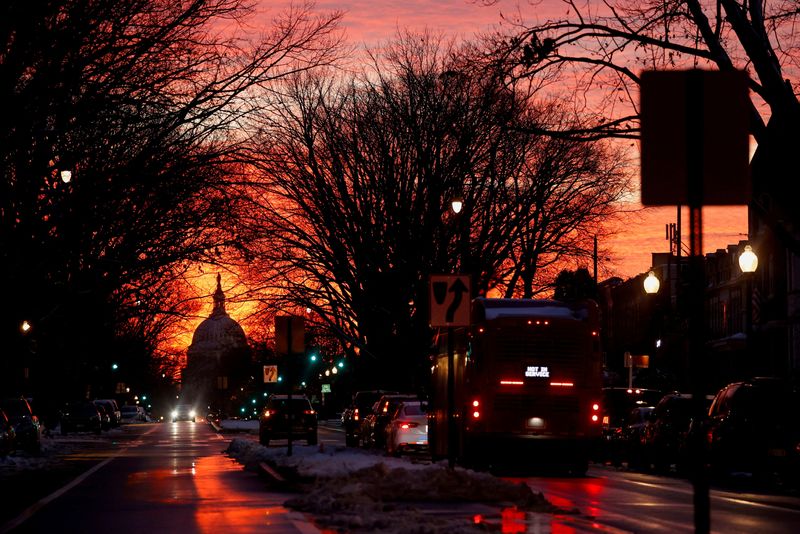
(172,478)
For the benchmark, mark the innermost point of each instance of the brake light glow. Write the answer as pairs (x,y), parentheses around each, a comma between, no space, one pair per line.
(308,412)
(386,407)
(406,425)
(476,412)
(355,415)
(596,416)
(267,413)
(595,406)
(562,384)
(511,382)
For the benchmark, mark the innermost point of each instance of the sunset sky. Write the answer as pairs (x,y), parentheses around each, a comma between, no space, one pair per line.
(368,23)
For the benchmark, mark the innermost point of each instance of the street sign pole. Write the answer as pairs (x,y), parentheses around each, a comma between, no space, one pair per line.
(289,332)
(694,127)
(451,400)
(450,307)
(289,378)
(695,179)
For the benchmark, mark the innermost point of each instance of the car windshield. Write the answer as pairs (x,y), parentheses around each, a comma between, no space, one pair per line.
(365,400)
(82,409)
(415,409)
(298,405)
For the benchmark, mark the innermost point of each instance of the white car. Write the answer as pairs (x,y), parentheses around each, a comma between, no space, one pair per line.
(408,428)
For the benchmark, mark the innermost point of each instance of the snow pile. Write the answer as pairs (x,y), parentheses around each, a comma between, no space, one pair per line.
(54,448)
(359,490)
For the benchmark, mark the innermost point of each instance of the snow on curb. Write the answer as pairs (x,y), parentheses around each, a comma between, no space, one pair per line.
(360,491)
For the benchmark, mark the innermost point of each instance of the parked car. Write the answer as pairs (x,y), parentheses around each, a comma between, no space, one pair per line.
(754,426)
(112,409)
(373,426)
(632,435)
(130,413)
(184,412)
(616,408)
(105,415)
(26,425)
(408,428)
(359,408)
(666,434)
(7,435)
(80,416)
(274,421)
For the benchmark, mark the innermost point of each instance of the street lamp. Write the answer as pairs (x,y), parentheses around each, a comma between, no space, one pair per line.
(651,283)
(457,204)
(748,261)
(25,327)
(66,176)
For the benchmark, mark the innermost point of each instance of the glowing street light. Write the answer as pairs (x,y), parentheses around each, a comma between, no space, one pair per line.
(66,176)
(651,283)
(457,204)
(748,261)
(25,327)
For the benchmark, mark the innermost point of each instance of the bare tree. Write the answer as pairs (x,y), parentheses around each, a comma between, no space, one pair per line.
(351,212)
(142,102)
(600,48)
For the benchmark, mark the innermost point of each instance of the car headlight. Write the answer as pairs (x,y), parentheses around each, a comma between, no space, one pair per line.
(174,413)
(191,414)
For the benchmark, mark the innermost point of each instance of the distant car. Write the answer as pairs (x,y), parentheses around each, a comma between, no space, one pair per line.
(632,436)
(408,428)
(26,424)
(129,413)
(665,441)
(754,426)
(80,416)
(7,435)
(184,412)
(112,409)
(105,416)
(274,421)
(616,407)
(353,415)
(373,426)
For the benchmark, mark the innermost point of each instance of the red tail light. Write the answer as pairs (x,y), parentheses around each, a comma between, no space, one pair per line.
(596,413)
(407,424)
(476,413)
(267,413)
(309,412)
(355,415)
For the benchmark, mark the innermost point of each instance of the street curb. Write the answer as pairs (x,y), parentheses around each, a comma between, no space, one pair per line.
(271,474)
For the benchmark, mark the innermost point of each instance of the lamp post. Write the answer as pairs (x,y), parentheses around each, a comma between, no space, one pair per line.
(748,263)
(457,205)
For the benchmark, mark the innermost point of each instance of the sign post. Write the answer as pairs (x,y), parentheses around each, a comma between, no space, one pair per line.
(450,307)
(694,147)
(289,340)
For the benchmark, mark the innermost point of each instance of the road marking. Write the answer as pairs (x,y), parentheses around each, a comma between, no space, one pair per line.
(28,513)
(32,509)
